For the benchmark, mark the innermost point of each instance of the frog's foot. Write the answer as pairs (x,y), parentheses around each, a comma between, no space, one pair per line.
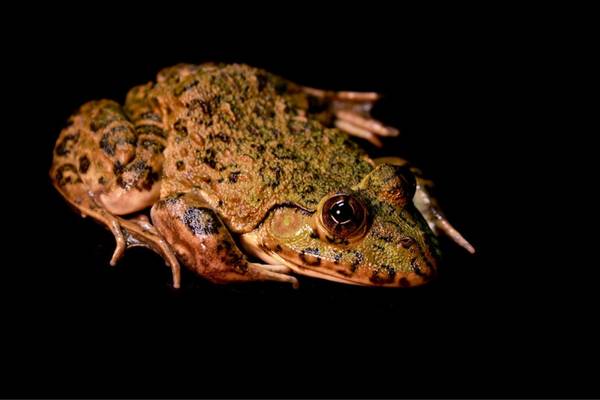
(352,113)
(428,205)
(139,232)
(203,243)
(436,220)
(128,233)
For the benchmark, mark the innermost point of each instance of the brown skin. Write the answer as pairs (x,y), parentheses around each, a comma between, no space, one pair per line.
(232,151)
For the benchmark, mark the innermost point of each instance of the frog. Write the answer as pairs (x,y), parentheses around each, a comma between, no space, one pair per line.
(241,175)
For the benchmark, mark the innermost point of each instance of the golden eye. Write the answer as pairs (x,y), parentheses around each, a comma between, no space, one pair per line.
(343,215)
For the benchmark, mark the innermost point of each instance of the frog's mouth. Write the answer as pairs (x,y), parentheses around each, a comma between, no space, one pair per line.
(251,244)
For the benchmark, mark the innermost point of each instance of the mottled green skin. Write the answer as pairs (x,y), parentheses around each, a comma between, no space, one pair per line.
(396,249)
(231,149)
(243,137)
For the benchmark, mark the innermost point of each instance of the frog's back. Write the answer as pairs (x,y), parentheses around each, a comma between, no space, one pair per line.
(240,138)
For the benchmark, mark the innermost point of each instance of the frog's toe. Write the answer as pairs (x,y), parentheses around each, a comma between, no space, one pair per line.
(139,232)
(270,272)
(282,269)
(352,111)
(366,123)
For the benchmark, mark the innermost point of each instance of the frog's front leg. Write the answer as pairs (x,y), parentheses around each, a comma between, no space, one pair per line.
(428,204)
(351,111)
(203,243)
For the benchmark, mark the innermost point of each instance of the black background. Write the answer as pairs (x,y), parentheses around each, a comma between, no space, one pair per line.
(505,322)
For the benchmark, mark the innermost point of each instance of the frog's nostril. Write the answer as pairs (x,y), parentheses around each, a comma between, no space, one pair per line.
(406,242)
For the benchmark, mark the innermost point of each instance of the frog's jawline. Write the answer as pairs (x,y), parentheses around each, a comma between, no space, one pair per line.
(249,243)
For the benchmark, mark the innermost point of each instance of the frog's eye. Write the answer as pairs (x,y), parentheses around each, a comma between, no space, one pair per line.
(343,215)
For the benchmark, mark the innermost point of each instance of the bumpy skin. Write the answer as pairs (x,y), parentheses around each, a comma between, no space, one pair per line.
(230,151)
(243,139)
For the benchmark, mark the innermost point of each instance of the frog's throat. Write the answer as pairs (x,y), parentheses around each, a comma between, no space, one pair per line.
(250,243)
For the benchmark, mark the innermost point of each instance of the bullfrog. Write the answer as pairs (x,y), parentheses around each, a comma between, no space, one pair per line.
(248,176)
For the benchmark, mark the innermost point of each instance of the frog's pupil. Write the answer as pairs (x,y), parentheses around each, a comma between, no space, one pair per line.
(342,212)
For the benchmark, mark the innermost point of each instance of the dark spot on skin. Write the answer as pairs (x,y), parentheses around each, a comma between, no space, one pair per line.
(117,168)
(102,121)
(201,221)
(417,269)
(385,275)
(150,130)
(337,240)
(314,234)
(233,177)
(67,174)
(137,174)
(152,145)
(102,180)
(150,116)
(182,89)
(310,256)
(84,164)
(222,137)
(206,108)
(180,128)
(381,235)
(116,136)
(119,128)
(277,176)
(226,245)
(66,145)
(278,248)
(180,165)
(337,258)
(404,282)
(151,177)
(262,81)
(209,158)
(358,259)
(220,203)
(283,153)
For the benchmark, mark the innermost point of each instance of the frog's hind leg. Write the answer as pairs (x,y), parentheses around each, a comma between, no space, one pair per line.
(106,166)
(352,113)
(128,233)
(203,243)
(428,205)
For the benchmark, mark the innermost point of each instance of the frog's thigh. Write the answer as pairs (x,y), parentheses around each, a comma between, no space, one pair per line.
(89,157)
(203,243)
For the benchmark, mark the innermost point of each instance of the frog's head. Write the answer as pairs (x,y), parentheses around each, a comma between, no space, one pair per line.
(370,234)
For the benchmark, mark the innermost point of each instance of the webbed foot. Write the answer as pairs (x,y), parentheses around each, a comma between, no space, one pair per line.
(352,112)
